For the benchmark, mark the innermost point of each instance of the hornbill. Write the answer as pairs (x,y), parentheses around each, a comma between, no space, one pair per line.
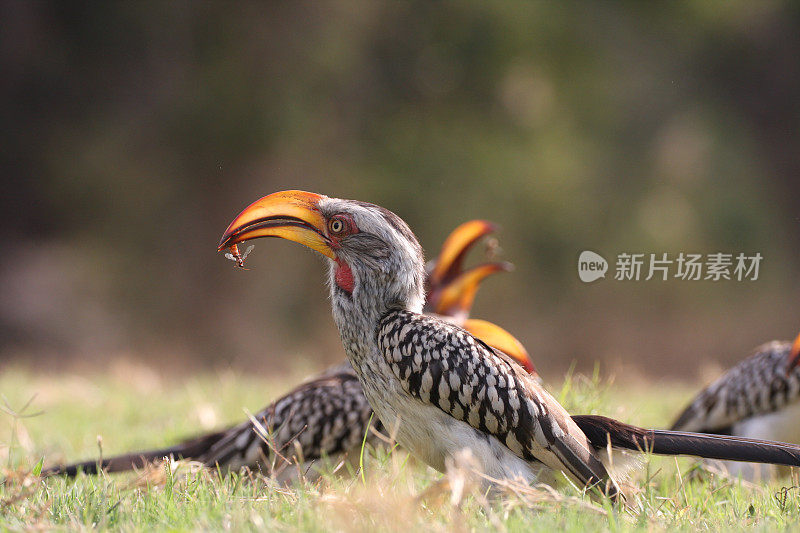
(442,389)
(328,415)
(758,398)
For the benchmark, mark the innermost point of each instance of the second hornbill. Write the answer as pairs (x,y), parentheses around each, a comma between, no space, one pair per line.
(443,389)
(328,416)
(758,398)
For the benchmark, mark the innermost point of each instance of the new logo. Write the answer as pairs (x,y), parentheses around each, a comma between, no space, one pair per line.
(591,266)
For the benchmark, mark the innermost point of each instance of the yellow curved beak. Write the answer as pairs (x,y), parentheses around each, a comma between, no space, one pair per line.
(498,338)
(290,215)
(794,355)
(455,247)
(458,295)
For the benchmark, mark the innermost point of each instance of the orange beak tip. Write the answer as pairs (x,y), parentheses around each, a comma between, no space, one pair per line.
(794,360)
(794,356)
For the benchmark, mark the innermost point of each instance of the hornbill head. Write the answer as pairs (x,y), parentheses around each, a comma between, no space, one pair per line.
(794,355)
(376,263)
(451,290)
(450,262)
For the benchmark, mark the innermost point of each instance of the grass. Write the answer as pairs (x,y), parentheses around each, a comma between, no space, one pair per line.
(134,407)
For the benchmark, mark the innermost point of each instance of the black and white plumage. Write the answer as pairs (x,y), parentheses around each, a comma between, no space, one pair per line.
(328,415)
(324,417)
(503,415)
(442,389)
(758,398)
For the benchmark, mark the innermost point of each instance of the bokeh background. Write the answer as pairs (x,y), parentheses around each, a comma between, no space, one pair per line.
(132,133)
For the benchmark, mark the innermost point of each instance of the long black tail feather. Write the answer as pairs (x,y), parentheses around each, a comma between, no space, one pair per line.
(601,430)
(192,449)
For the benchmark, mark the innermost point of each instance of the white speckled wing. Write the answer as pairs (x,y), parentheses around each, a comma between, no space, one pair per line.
(756,386)
(444,366)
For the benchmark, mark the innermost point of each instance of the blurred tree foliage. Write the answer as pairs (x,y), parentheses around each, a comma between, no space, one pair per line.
(134,131)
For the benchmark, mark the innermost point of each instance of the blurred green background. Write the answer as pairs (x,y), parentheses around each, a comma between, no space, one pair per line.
(133,132)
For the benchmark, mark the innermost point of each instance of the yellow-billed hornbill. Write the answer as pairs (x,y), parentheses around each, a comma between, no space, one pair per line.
(328,415)
(440,387)
(758,398)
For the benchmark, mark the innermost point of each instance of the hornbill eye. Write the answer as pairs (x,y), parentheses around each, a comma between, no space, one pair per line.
(338,225)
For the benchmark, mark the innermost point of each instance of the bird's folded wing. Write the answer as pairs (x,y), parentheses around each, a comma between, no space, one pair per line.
(323,417)
(757,385)
(442,365)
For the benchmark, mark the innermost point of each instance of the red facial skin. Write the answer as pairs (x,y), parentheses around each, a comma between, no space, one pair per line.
(339,227)
(344,277)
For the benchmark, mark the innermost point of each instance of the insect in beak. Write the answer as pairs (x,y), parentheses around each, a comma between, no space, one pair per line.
(238,257)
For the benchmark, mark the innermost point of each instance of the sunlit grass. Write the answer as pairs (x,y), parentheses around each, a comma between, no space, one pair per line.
(132,407)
